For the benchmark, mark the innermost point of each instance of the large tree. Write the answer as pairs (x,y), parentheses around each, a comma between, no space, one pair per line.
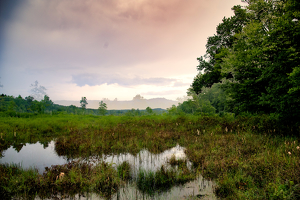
(259,69)
(217,48)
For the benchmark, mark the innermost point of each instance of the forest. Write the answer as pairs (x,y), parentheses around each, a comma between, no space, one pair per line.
(254,59)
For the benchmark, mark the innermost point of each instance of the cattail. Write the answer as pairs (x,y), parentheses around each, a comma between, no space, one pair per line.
(15,134)
(61,175)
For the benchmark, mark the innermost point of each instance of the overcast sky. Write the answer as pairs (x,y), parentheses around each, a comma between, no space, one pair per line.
(105,48)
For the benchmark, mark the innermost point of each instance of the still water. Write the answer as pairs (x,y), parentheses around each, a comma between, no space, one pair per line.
(33,155)
(39,157)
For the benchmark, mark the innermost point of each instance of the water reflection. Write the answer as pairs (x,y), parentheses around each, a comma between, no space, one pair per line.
(33,155)
(146,160)
(197,189)
(41,156)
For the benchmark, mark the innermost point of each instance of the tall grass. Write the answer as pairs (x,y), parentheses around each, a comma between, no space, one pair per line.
(249,157)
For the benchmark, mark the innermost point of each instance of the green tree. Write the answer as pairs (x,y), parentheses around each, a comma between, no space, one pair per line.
(72,109)
(37,106)
(102,108)
(29,101)
(20,102)
(188,106)
(83,103)
(258,69)
(172,110)
(46,102)
(131,112)
(265,53)
(217,48)
(294,79)
(149,110)
(200,104)
(12,106)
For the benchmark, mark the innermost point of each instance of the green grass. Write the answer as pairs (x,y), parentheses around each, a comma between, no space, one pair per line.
(151,182)
(248,157)
(124,171)
(248,165)
(65,180)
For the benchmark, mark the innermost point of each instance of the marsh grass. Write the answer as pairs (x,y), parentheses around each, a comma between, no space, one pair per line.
(248,157)
(124,171)
(153,182)
(59,180)
(249,165)
(14,181)
(177,162)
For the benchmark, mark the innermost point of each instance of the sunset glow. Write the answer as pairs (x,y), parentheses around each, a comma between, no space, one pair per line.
(105,49)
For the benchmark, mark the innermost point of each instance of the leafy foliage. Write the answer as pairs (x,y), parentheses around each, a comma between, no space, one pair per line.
(255,55)
(83,103)
(102,108)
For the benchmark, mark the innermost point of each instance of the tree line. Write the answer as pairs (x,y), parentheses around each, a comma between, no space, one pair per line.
(28,106)
(252,63)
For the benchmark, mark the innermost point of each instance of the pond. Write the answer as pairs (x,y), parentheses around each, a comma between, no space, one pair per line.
(33,155)
(40,156)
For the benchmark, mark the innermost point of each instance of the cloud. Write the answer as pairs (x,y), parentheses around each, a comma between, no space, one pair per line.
(100,79)
(151,44)
(102,33)
(181,84)
(162,93)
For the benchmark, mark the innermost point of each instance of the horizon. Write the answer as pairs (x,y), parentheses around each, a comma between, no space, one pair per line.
(154,103)
(104,49)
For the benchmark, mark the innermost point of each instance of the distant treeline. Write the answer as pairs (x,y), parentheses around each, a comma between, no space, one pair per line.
(210,103)
(28,106)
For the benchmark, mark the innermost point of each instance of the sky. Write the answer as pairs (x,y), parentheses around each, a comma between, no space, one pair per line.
(105,48)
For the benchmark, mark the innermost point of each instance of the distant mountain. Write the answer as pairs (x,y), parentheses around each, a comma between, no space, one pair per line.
(120,105)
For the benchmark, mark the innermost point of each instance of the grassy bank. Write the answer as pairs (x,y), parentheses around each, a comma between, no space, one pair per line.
(248,157)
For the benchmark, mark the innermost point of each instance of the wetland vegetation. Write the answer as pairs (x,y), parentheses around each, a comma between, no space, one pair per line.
(247,157)
(239,128)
